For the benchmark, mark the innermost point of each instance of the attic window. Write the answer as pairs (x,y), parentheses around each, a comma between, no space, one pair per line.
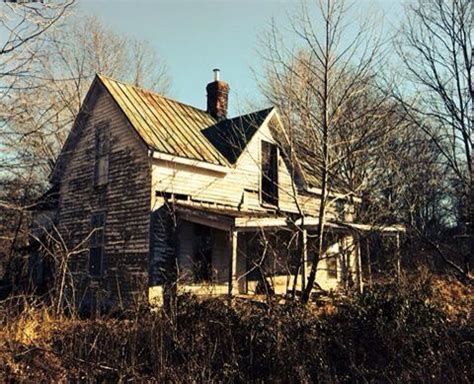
(269,173)
(101,165)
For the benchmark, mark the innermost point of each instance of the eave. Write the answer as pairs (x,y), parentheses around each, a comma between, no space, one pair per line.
(338,195)
(188,162)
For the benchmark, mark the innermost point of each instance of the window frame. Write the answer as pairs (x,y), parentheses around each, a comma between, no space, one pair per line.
(340,206)
(97,243)
(101,154)
(203,249)
(263,201)
(332,273)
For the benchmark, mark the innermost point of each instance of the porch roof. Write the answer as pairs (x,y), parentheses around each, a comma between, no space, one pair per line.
(226,218)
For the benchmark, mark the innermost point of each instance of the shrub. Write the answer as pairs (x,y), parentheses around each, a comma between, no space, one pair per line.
(387,334)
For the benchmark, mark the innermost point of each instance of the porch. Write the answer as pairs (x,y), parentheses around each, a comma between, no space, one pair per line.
(229,252)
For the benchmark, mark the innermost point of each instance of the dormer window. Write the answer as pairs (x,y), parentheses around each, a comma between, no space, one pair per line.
(101,165)
(269,174)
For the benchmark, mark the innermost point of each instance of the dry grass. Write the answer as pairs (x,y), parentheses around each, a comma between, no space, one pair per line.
(456,298)
(421,331)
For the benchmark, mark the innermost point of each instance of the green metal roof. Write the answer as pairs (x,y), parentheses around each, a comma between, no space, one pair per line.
(166,125)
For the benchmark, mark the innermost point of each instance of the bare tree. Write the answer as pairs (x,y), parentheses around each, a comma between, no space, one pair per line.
(45,96)
(54,247)
(315,84)
(22,26)
(436,51)
(47,102)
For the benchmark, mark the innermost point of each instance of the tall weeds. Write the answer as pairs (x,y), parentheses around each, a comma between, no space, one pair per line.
(388,334)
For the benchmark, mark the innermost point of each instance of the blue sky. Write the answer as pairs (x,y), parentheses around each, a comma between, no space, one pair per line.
(193,37)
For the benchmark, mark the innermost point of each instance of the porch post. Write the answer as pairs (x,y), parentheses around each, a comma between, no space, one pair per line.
(360,281)
(233,283)
(369,261)
(397,255)
(304,257)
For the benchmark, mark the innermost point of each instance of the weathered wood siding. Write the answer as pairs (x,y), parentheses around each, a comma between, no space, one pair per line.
(240,187)
(125,200)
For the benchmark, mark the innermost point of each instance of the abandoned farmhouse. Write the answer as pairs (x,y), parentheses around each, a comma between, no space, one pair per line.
(151,194)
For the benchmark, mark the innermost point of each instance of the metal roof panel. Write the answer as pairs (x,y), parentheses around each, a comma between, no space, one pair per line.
(166,125)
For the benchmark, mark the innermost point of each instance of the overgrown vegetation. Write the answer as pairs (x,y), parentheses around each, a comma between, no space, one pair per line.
(418,332)
(386,131)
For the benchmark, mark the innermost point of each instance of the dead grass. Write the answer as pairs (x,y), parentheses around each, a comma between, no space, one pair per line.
(421,331)
(456,298)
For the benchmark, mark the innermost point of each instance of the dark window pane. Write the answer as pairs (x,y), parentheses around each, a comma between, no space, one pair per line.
(97,237)
(96,243)
(95,261)
(202,254)
(269,173)
(254,258)
(98,220)
(340,210)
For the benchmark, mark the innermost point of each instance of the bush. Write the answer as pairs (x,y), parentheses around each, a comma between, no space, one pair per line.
(387,334)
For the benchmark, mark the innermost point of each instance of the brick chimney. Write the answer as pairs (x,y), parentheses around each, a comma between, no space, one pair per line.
(217,97)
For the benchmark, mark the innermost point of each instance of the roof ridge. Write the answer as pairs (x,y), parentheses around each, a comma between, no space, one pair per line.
(153,93)
(180,102)
(269,109)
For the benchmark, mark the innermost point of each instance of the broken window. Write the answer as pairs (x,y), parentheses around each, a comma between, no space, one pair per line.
(330,253)
(96,249)
(331,248)
(331,266)
(168,196)
(101,165)
(202,266)
(255,256)
(340,210)
(269,173)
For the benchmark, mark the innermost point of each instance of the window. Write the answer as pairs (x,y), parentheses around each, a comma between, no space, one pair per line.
(202,254)
(172,196)
(331,266)
(101,166)
(269,173)
(254,257)
(331,253)
(96,249)
(340,210)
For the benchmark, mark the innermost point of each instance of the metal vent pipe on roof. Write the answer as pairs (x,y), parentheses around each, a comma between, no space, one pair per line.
(217,97)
